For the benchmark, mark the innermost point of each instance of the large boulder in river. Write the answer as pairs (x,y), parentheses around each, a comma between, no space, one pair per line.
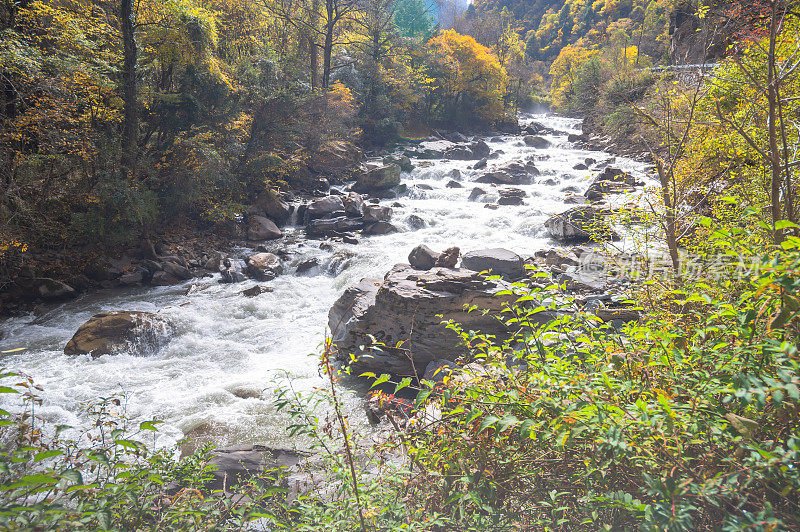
(402,161)
(581,224)
(325,206)
(498,261)
(381,178)
(536,141)
(404,306)
(111,332)
(273,206)
(333,226)
(335,158)
(261,228)
(376,213)
(264,266)
(422,257)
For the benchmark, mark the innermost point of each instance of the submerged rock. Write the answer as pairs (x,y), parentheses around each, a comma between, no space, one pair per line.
(111,332)
(404,307)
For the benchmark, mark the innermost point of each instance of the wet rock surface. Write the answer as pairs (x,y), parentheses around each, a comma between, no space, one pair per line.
(112,332)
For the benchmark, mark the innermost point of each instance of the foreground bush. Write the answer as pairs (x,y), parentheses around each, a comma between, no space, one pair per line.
(687,421)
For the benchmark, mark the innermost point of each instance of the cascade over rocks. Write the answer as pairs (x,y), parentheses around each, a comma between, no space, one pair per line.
(404,307)
(110,332)
(581,224)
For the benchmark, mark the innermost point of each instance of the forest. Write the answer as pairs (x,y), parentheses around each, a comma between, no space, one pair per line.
(633,364)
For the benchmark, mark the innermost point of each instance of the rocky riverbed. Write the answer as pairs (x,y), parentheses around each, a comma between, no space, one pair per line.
(197,336)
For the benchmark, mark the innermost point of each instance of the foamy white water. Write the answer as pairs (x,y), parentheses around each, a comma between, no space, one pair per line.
(225,343)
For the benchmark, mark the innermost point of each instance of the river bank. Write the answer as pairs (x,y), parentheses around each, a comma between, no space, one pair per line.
(228,350)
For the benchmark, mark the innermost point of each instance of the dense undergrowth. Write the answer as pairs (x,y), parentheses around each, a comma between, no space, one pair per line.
(685,420)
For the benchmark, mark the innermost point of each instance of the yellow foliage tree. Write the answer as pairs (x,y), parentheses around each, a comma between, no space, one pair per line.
(472,82)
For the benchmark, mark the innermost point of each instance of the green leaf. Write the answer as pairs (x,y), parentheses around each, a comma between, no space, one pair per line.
(73,475)
(6,389)
(785,224)
(34,480)
(380,380)
(422,396)
(487,422)
(38,457)
(149,425)
(402,384)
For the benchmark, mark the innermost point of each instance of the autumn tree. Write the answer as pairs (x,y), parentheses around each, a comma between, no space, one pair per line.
(470,80)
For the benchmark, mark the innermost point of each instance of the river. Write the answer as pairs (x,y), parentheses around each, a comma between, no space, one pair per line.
(228,348)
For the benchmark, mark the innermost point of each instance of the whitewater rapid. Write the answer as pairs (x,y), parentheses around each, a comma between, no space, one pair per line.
(228,351)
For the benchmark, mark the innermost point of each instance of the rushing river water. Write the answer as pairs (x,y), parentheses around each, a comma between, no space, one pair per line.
(227,346)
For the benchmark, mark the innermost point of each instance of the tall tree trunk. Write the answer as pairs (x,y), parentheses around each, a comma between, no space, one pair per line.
(327,52)
(130,129)
(772,126)
(313,49)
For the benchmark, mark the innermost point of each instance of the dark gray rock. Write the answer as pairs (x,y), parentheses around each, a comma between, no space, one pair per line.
(476,193)
(234,465)
(52,290)
(480,150)
(379,228)
(333,226)
(325,207)
(448,258)
(581,224)
(400,160)
(415,222)
(376,213)
(536,141)
(500,261)
(454,184)
(353,204)
(481,164)
(232,271)
(381,178)
(422,257)
(404,307)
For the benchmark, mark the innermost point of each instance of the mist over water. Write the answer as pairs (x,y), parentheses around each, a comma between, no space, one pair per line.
(225,345)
